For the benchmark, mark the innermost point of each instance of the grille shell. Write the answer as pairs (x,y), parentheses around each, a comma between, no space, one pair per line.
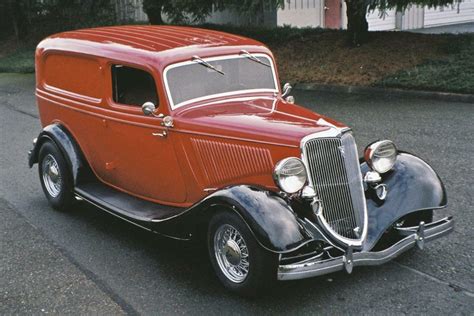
(334,172)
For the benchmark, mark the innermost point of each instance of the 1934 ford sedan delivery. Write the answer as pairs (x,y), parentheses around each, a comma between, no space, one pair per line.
(185,132)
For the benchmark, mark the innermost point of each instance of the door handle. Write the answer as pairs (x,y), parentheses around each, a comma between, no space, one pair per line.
(164,134)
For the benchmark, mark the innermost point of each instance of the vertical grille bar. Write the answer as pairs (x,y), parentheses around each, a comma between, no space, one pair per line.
(335,174)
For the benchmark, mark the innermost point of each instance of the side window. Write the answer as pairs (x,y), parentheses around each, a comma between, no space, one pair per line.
(133,86)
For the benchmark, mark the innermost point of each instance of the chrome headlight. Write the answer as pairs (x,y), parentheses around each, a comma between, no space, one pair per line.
(381,155)
(290,175)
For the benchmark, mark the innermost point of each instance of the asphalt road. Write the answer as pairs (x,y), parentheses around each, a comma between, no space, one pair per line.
(85,261)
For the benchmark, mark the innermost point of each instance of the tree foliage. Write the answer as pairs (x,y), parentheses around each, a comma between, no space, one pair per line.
(180,11)
(357,13)
(48,16)
(193,11)
(20,17)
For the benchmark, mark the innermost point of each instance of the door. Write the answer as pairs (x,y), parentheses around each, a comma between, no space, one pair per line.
(140,160)
(332,14)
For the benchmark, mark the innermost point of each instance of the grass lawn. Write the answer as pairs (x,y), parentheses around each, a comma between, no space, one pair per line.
(21,60)
(389,59)
(454,72)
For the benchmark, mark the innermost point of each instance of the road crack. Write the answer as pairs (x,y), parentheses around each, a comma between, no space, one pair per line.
(13,108)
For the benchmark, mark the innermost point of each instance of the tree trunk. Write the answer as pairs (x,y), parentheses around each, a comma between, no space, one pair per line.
(260,13)
(357,26)
(155,17)
(153,9)
(14,14)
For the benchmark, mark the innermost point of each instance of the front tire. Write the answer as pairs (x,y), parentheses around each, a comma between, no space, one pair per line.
(240,263)
(55,177)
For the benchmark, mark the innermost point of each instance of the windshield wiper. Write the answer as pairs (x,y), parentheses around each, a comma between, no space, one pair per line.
(206,64)
(253,58)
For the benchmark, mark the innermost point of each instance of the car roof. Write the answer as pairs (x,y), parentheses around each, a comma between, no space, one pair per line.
(147,43)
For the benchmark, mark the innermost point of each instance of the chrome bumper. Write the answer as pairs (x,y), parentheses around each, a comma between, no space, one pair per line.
(416,235)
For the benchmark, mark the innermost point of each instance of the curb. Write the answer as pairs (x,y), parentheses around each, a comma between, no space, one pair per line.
(444,96)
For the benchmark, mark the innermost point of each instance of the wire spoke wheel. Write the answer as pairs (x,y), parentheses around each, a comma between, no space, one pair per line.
(231,253)
(51,175)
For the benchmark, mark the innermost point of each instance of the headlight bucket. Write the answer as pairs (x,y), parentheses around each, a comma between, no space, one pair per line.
(381,155)
(290,175)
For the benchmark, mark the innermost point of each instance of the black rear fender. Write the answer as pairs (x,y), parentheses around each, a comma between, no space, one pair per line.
(66,144)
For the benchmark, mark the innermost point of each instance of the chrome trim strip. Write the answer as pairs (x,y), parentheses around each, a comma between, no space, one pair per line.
(233,56)
(332,132)
(314,268)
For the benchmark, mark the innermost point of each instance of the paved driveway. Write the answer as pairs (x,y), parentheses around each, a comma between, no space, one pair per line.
(89,262)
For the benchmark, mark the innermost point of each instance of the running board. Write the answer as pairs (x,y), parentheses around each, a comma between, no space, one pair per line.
(123,204)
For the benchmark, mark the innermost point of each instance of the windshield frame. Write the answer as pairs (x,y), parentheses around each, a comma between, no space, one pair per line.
(211,96)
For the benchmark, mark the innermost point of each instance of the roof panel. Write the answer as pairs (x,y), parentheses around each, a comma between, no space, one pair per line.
(156,38)
(151,45)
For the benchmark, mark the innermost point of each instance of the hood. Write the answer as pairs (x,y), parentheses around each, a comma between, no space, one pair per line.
(262,119)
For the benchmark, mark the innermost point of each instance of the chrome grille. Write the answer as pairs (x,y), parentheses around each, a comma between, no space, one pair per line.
(335,175)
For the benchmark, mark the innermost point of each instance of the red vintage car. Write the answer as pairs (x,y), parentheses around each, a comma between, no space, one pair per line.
(186,132)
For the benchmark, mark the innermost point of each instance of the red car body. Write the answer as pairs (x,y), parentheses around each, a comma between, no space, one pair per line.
(264,129)
(219,161)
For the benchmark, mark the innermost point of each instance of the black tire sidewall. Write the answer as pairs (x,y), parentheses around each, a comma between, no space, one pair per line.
(262,263)
(65,197)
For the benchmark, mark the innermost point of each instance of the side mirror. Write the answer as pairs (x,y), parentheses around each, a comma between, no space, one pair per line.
(286,90)
(290,99)
(148,108)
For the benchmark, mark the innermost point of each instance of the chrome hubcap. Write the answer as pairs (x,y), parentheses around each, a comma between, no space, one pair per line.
(51,176)
(231,253)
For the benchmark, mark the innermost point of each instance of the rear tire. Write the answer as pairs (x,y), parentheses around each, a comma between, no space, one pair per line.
(241,264)
(55,177)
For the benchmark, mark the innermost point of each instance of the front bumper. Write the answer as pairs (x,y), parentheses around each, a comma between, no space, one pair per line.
(416,235)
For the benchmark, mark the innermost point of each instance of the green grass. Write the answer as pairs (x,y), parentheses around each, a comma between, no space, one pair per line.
(20,61)
(454,73)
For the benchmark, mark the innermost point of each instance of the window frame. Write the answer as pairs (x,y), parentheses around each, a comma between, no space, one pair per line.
(211,96)
(134,109)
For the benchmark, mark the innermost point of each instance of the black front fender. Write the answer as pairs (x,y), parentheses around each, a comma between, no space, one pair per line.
(268,216)
(412,186)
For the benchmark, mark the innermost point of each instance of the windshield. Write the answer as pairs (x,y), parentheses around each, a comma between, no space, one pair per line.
(201,78)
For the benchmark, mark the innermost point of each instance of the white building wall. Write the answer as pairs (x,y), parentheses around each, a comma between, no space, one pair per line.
(226,17)
(413,18)
(344,15)
(460,12)
(236,18)
(310,13)
(384,23)
(301,13)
